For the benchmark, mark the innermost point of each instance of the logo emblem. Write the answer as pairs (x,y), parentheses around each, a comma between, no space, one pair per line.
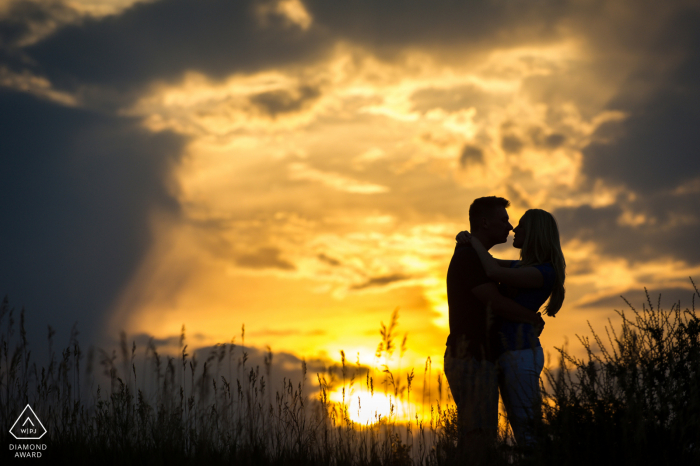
(28,426)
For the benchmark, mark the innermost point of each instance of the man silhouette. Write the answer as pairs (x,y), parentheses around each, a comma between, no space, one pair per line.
(473,301)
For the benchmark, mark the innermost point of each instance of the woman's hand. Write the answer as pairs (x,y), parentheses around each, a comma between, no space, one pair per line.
(464,237)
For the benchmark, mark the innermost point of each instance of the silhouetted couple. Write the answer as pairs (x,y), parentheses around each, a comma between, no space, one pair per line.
(494,319)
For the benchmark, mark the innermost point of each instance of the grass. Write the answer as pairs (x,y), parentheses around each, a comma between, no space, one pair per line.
(634,399)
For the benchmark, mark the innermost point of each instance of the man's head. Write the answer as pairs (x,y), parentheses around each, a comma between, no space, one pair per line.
(489,220)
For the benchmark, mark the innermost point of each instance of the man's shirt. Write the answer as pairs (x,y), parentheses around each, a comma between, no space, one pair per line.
(471,333)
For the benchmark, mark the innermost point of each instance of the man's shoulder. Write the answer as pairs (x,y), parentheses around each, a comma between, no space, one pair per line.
(465,262)
(465,252)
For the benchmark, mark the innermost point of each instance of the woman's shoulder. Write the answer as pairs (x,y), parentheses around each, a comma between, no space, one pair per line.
(547,271)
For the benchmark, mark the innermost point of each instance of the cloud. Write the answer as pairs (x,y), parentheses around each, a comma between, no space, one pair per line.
(454,99)
(381,281)
(222,360)
(649,155)
(471,154)
(161,40)
(25,21)
(300,171)
(278,102)
(655,148)
(292,110)
(78,189)
(389,25)
(516,198)
(554,140)
(264,258)
(286,332)
(328,260)
(586,222)
(637,298)
(168,342)
(650,226)
(511,144)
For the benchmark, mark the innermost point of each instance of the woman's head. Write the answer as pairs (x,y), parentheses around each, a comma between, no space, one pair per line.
(536,233)
(537,237)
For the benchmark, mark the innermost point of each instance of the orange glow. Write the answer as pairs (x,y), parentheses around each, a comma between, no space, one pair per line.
(317,198)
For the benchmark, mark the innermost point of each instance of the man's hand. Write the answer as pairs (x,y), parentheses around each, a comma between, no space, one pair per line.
(539,325)
(464,237)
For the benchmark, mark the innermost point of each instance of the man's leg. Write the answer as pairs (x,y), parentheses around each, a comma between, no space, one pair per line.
(474,386)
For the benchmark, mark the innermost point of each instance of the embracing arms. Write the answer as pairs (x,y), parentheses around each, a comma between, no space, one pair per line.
(499,270)
(505,307)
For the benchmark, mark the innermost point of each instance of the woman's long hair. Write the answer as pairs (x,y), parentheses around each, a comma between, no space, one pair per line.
(541,245)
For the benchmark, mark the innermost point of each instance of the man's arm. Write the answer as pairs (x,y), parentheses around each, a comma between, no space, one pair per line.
(504,262)
(505,307)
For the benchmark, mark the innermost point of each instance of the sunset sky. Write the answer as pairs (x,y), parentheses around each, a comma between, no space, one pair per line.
(302,166)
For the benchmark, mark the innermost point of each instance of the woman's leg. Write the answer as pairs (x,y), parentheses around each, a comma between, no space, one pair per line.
(519,376)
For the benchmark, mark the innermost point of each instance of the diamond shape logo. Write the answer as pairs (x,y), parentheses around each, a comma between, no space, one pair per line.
(28,426)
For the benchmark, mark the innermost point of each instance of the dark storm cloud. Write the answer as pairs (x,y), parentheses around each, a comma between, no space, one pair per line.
(656,147)
(671,228)
(27,20)
(586,222)
(393,24)
(653,152)
(162,39)
(23,22)
(77,189)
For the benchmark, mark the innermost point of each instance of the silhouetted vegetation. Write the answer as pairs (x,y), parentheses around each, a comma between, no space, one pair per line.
(634,399)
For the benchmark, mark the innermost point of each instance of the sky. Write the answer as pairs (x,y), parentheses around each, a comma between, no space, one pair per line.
(303,166)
